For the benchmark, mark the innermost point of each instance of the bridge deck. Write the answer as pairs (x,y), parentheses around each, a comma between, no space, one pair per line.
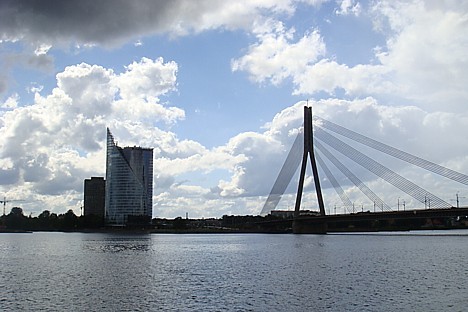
(407,214)
(379,221)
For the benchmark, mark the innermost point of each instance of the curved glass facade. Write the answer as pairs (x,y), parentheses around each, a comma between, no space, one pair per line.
(129,183)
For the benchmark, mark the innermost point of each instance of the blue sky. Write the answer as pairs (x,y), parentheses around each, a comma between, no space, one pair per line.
(217,89)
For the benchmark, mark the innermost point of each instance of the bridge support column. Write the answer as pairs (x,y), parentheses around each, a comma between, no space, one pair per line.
(309,151)
(301,226)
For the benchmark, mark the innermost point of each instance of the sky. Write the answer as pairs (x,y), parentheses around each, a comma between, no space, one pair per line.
(217,88)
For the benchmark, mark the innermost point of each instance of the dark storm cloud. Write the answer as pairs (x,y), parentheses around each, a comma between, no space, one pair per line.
(86,21)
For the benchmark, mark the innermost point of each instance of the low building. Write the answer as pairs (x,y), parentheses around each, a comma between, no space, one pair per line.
(289,214)
(285,214)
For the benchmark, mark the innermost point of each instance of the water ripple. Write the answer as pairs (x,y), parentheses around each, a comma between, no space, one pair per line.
(104,272)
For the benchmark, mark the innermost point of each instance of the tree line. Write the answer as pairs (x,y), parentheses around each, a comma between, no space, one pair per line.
(48,221)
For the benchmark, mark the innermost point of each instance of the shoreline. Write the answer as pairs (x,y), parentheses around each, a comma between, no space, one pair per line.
(218,231)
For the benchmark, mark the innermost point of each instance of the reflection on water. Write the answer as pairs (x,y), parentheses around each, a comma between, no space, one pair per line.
(411,233)
(108,272)
(118,244)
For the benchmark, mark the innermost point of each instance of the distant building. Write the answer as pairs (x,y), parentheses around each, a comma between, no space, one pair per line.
(285,214)
(289,214)
(94,196)
(129,184)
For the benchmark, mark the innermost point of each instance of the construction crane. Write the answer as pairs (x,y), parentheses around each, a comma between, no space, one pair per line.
(4,201)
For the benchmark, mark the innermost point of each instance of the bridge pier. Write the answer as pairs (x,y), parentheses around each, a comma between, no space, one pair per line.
(305,226)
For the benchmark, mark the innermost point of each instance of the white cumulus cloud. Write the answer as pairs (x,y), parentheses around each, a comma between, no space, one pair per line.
(49,146)
(276,56)
(424,59)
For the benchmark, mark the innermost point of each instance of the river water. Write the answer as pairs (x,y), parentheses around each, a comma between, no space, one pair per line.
(420,271)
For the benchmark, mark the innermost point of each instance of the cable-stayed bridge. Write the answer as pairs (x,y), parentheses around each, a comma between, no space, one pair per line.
(322,141)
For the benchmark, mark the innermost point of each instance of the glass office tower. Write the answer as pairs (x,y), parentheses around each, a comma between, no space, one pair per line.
(129,183)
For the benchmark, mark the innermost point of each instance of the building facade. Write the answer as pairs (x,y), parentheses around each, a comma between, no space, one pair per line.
(129,184)
(94,196)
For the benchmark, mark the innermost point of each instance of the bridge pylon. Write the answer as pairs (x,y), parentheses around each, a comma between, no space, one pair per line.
(309,151)
(298,226)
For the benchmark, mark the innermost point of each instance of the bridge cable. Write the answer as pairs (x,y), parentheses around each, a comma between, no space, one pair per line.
(381,171)
(389,150)
(353,178)
(385,173)
(344,198)
(398,181)
(391,177)
(285,175)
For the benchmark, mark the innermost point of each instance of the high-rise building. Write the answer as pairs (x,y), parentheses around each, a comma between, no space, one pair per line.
(129,184)
(94,196)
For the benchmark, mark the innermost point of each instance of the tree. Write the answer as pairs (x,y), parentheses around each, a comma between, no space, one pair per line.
(179,223)
(44,215)
(16,219)
(70,220)
(17,211)
(44,221)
